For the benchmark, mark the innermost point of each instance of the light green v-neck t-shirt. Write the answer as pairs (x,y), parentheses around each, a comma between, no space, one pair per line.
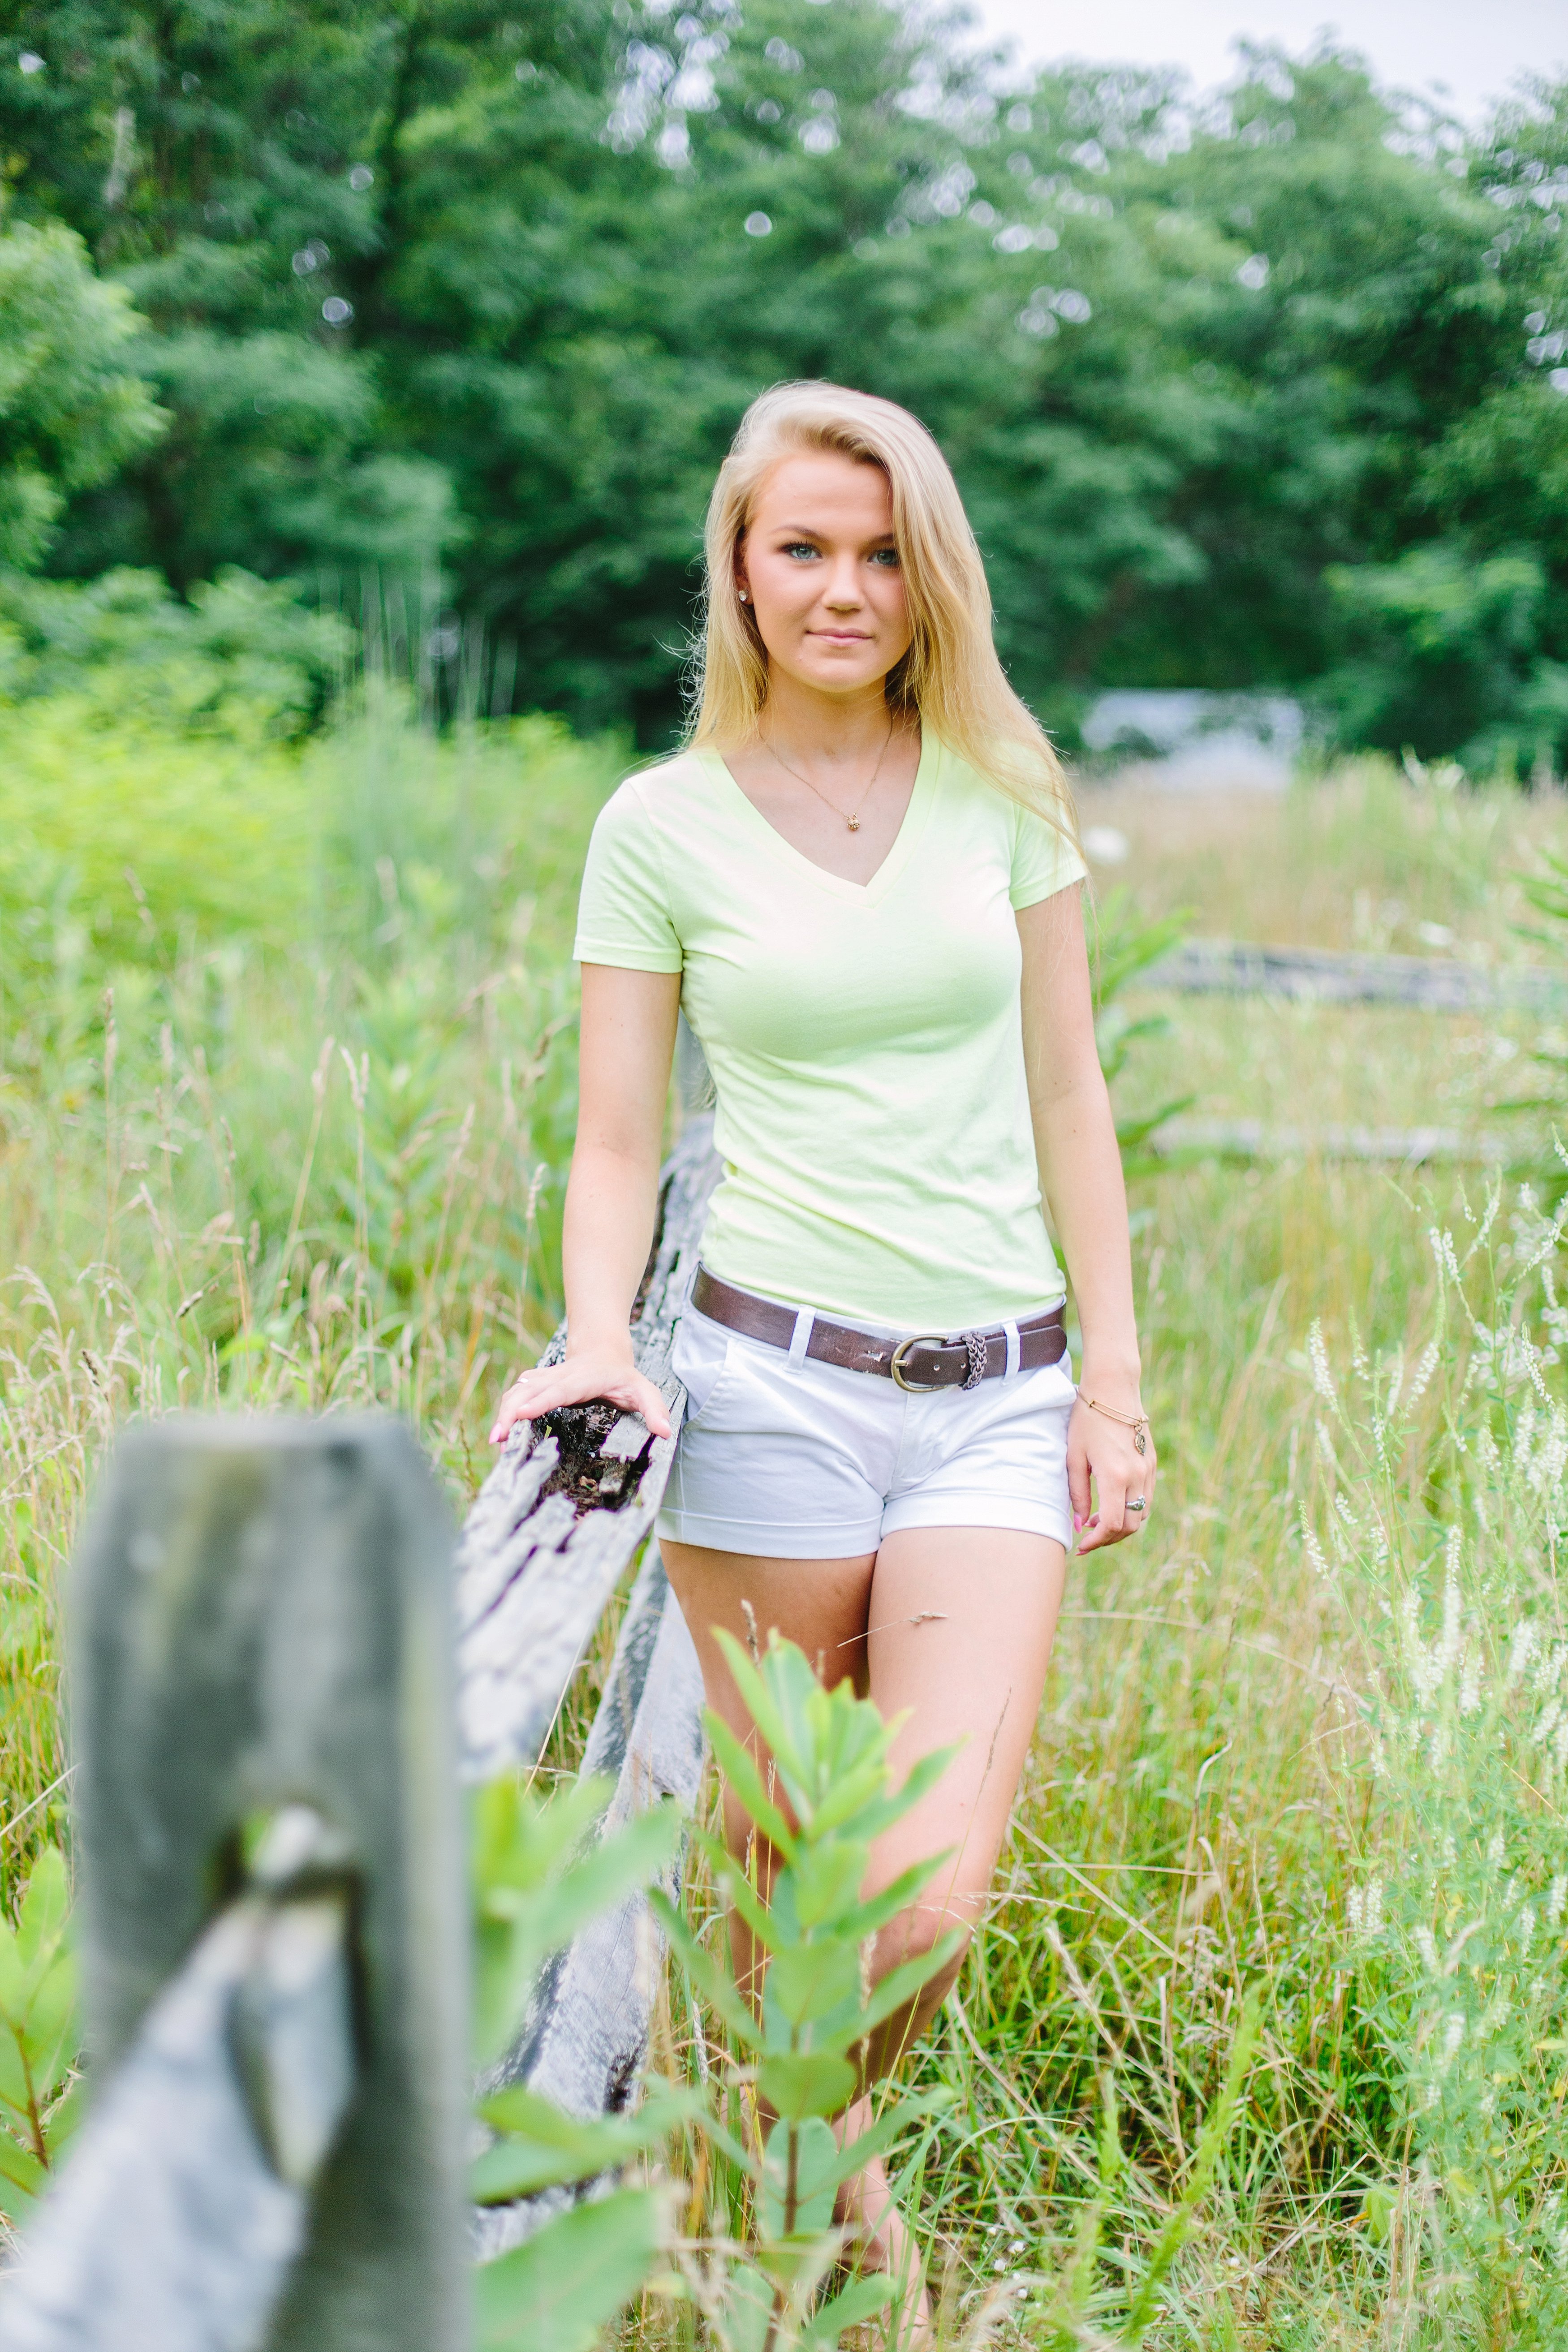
(865,1041)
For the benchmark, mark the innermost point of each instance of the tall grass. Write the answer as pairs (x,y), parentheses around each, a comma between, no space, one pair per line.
(285,1104)
(286,1098)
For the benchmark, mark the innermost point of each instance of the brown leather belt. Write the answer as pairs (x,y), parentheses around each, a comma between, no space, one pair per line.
(926,1360)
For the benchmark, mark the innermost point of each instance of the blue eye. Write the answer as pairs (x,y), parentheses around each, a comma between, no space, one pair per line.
(798,547)
(888,556)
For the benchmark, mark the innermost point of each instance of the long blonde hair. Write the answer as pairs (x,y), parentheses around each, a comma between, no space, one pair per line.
(950,678)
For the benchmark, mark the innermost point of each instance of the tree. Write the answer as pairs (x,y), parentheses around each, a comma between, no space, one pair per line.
(490,282)
(71,410)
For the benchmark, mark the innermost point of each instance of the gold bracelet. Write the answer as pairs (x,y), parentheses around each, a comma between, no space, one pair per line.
(1138,1423)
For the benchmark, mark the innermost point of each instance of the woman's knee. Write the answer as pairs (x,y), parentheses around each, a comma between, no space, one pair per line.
(936,1933)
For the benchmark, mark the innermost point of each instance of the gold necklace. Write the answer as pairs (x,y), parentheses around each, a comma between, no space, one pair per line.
(852,822)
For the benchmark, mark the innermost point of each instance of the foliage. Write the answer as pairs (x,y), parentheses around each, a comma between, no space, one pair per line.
(242,658)
(1125,946)
(38,2105)
(1200,1805)
(798,2059)
(1458,1931)
(536,1883)
(1547,892)
(539,1875)
(1448,657)
(1255,391)
(72,408)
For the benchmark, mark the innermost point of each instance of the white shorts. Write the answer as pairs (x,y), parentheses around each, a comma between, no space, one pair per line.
(818,1463)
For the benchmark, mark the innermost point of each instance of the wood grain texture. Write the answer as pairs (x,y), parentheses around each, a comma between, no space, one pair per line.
(551,1533)
(260,1631)
(565,1511)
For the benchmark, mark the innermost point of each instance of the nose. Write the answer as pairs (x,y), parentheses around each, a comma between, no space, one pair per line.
(843,590)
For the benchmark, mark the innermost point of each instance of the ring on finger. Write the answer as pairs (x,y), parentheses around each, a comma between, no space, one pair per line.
(1136,1503)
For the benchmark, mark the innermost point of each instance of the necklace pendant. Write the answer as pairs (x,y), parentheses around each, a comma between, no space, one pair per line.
(853,822)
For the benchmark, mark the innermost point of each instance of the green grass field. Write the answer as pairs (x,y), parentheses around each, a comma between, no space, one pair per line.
(285,1098)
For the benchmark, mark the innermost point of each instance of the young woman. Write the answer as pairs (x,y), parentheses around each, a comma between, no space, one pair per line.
(860,880)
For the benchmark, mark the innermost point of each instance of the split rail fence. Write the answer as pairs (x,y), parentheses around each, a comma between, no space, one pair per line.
(271,1724)
(270,1732)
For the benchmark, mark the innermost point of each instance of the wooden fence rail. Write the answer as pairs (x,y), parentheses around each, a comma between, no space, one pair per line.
(269,1737)
(1332,976)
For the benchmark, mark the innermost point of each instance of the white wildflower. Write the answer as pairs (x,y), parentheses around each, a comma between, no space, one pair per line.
(1559,1745)
(1548,1723)
(1395,1382)
(1453,2034)
(1444,1656)
(1523,1434)
(1410,1619)
(1557,1900)
(1494,1202)
(1525,1635)
(1313,1548)
(1443,1250)
(1318,1360)
(1524,1927)
(1471,1679)
(1497,1850)
(1427,1945)
(1430,1357)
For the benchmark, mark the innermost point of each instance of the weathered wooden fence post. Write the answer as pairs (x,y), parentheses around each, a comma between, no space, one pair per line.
(261,1662)
(554,1528)
(274,1906)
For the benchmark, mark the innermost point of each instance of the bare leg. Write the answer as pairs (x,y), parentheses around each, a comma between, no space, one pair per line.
(960,1631)
(820,1604)
(955,1625)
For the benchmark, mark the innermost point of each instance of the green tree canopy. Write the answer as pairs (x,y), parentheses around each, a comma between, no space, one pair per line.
(492,283)
(71,408)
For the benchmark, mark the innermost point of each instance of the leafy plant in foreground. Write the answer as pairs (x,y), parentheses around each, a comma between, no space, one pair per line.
(800,2058)
(37,2037)
(1124,944)
(539,1876)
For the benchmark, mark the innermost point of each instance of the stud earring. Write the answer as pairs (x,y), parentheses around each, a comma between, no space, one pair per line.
(745,597)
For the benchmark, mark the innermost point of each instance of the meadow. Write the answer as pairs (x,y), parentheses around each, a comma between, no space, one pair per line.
(285,1099)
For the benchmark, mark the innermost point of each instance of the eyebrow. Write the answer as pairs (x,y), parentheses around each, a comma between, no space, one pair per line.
(810,530)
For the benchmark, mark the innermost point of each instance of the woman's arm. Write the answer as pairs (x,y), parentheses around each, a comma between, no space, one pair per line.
(1080,1176)
(624,1061)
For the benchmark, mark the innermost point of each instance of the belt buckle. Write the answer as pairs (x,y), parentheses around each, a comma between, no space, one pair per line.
(916,1388)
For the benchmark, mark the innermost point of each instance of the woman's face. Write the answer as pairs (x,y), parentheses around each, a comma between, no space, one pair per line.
(819,564)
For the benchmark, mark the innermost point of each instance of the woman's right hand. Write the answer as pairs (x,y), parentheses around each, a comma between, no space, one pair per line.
(594,1372)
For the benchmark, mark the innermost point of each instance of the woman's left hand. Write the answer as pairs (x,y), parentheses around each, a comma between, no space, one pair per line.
(1106,1451)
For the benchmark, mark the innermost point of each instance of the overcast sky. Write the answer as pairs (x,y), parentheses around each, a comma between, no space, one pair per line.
(1475,49)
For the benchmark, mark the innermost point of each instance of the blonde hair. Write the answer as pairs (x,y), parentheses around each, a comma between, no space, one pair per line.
(950,678)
